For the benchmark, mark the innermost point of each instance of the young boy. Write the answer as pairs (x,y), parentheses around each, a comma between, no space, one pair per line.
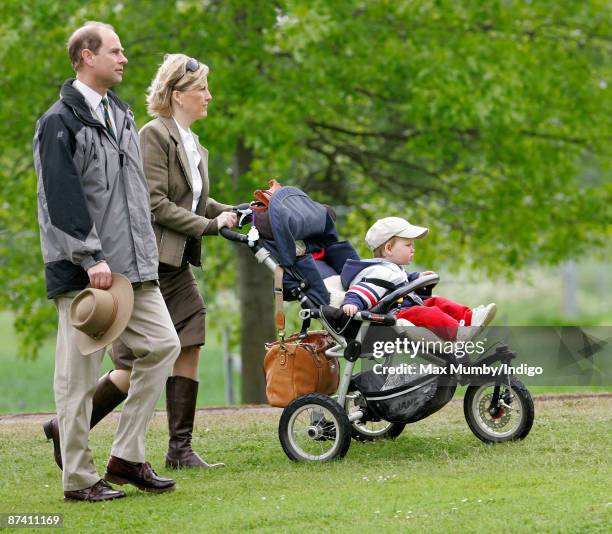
(392,241)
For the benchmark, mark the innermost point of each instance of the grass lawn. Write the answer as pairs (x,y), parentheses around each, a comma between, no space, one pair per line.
(436,477)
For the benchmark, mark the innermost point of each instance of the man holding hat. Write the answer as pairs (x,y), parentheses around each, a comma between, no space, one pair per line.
(391,239)
(101,263)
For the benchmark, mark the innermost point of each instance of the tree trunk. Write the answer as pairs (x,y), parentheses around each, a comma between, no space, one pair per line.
(256,306)
(257,323)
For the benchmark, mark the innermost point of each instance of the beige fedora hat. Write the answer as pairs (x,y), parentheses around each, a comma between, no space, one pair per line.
(99,316)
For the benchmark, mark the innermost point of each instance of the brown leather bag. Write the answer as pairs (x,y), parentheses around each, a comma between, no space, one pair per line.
(263,196)
(295,367)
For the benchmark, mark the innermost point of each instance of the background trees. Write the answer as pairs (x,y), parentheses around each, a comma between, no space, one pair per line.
(487,121)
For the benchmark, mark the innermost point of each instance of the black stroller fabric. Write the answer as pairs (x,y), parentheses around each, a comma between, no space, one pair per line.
(305,269)
(402,398)
(337,254)
(313,272)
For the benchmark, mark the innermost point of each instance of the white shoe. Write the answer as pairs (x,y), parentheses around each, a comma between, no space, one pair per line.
(464,333)
(482,316)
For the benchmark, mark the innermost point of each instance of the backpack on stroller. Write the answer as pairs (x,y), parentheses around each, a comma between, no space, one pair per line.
(368,405)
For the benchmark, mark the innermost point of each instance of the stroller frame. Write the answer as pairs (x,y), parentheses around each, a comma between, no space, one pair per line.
(330,419)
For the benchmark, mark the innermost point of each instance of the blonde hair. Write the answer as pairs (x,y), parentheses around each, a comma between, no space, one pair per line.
(379,251)
(86,37)
(172,75)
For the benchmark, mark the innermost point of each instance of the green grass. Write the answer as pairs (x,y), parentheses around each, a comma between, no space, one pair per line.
(436,477)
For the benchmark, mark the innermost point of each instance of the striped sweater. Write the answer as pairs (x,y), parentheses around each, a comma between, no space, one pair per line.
(364,294)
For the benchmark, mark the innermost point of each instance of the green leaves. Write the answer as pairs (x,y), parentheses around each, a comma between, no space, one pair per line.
(489,122)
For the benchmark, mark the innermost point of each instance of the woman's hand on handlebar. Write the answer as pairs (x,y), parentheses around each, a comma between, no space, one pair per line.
(227,219)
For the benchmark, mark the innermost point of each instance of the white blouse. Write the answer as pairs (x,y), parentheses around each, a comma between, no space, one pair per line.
(194,157)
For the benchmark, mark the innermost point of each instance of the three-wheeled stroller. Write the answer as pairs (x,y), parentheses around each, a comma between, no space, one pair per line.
(370,406)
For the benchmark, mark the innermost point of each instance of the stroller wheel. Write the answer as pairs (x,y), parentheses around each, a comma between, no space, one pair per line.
(370,429)
(510,420)
(314,428)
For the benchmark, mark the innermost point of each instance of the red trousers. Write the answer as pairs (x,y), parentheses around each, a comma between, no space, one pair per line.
(439,315)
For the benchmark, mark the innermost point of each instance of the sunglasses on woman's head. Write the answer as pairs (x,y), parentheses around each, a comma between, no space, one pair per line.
(192,65)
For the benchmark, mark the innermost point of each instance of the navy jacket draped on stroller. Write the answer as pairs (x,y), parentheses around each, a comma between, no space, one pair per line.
(294,217)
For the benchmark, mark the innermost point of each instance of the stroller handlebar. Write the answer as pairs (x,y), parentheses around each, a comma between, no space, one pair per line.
(392,296)
(233,236)
(378,318)
(245,216)
(336,314)
(425,280)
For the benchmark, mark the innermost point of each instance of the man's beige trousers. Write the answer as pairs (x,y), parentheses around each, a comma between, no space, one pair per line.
(153,340)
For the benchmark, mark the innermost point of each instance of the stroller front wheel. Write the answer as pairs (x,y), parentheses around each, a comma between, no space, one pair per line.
(510,420)
(314,428)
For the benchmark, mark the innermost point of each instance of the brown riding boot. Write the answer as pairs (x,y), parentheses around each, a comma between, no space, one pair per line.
(106,398)
(181,395)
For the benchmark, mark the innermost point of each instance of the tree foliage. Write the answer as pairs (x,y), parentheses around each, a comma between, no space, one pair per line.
(488,121)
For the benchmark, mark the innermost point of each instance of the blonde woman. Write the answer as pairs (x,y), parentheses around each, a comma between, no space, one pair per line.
(176,168)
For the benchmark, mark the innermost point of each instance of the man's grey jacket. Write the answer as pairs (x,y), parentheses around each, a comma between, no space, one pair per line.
(93,197)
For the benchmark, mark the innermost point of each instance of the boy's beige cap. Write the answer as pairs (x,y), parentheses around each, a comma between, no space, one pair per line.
(384,229)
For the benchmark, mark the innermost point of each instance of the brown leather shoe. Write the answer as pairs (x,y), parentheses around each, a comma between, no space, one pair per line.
(181,395)
(52,432)
(100,491)
(140,475)
(106,398)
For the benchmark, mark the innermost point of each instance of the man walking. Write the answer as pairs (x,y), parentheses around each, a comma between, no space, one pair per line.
(94,217)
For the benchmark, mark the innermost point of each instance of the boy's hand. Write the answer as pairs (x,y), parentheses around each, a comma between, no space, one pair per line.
(425,273)
(350,309)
